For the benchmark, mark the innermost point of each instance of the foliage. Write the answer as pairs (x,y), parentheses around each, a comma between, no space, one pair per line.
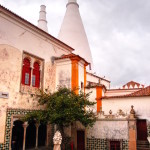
(63,107)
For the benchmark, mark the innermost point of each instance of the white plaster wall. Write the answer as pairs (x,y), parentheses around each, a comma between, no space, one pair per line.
(117,92)
(95,79)
(81,73)
(141,106)
(109,130)
(106,83)
(92,97)
(21,37)
(92,78)
(63,73)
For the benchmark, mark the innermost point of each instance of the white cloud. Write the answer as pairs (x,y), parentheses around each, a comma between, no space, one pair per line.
(118,33)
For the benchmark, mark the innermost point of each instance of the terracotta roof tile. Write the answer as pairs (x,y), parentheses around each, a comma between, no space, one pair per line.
(133,83)
(141,92)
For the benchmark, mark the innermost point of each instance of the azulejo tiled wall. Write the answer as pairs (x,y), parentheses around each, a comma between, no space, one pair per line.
(97,144)
(9,113)
(1,146)
(102,144)
(125,145)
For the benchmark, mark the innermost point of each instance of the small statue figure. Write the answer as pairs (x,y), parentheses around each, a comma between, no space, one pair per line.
(57,139)
(110,112)
(132,112)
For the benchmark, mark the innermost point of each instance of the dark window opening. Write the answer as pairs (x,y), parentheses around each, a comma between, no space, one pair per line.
(82,85)
(114,145)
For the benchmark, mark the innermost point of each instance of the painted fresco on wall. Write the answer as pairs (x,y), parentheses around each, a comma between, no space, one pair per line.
(64,79)
(109,130)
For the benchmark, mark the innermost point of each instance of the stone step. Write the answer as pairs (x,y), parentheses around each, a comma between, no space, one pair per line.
(143,145)
(141,142)
(143,148)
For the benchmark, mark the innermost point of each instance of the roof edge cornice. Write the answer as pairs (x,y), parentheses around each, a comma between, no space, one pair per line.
(26,23)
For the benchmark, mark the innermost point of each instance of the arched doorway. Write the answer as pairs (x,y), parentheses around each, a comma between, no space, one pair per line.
(30,135)
(17,135)
(42,135)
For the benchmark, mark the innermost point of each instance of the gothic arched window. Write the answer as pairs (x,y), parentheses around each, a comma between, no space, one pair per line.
(36,75)
(26,72)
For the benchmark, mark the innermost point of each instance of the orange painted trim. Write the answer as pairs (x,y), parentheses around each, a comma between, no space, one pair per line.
(75,76)
(99,98)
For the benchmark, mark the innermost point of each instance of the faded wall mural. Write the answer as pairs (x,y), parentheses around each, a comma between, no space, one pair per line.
(109,130)
(64,78)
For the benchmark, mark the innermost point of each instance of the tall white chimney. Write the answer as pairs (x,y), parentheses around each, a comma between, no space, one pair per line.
(72,32)
(42,23)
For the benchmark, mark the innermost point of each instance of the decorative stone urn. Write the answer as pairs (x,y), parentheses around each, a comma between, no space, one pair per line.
(57,139)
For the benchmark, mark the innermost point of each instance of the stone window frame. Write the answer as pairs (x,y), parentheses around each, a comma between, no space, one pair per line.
(32,58)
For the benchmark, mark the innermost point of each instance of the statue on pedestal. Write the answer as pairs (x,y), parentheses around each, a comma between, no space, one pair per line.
(132,112)
(57,139)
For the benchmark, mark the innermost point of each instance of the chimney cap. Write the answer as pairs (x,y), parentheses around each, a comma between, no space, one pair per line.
(74,1)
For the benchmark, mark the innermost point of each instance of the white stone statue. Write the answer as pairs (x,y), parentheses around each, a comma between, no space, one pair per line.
(57,139)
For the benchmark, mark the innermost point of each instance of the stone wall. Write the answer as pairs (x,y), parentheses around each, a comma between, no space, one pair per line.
(109,129)
(50,77)
(19,96)
(9,121)
(10,60)
(105,130)
(103,144)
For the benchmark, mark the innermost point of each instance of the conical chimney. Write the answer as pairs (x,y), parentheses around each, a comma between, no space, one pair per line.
(72,31)
(42,23)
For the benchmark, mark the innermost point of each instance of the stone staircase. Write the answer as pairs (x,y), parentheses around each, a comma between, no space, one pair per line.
(143,145)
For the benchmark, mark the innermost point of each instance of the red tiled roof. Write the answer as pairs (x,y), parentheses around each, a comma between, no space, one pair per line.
(3,9)
(132,83)
(141,92)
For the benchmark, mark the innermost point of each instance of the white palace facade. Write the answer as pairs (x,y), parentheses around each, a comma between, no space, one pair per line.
(32,59)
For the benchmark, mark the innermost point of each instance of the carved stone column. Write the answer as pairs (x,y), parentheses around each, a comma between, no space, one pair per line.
(31,66)
(25,125)
(132,130)
(132,134)
(41,76)
(37,130)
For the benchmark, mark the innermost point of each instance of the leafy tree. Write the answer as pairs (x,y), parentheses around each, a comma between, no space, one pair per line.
(64,107)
